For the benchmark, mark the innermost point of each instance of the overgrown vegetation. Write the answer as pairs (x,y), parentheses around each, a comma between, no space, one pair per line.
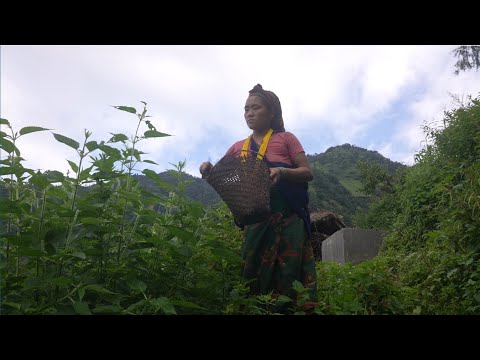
(122,248)
(468,58)
(432,212)
(107,251)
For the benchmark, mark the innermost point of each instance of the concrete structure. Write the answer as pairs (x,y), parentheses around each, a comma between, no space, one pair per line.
(352,245)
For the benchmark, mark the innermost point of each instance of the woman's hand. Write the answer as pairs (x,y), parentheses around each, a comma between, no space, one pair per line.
(205,169)
(275,174)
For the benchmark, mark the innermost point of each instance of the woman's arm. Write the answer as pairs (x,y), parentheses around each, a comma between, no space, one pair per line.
(301,172)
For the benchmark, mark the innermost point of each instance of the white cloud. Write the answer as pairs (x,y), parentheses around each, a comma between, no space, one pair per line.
(330,95)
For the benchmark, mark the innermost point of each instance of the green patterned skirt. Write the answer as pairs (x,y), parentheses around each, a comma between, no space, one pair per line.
(277,252)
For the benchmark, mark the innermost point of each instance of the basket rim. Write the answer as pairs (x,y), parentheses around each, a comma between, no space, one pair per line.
(233,157)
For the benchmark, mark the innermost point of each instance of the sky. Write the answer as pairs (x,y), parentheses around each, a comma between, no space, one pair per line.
(375,97)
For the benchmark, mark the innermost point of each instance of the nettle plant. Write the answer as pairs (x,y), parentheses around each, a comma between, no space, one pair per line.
(94,241)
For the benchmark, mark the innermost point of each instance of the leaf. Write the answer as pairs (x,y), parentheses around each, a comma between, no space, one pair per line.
(33,282)
(477,297)
(30,252)
(129,195)
(99,289)
(85,174)
(196,210)
(21,240)
(107,309)
(451,272)
(4,122)
(151,198)
(155,177)
(93,252)
(150,162)
(284,299)
(61,281)
(73,166)
(20,170)
(12,304)
(298,286)
(165,305)
(67,141)
(186,304)
(91,220)
(65,213)
(148,213)
(134,152)
(82,308)
(81,293)
(137,285)
(184,251)
(8,206)
(91,145)
(8,146)
(111,151)
(154,133)
(38,180)
(179,232)
(30,129)
(126,108)
(7,170)
(54,176)
(80,255)
(117,138)
(141,245)
(55,200)
(226,254)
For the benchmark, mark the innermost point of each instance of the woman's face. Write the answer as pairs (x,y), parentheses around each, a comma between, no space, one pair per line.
(257,114)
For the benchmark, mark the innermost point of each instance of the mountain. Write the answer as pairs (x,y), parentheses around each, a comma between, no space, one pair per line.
(340,161)
(196,190)
(336,185)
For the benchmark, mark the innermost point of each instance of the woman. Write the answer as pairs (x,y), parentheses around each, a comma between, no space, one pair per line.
(277,251)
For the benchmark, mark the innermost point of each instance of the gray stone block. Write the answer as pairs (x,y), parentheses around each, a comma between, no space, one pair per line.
(352,245)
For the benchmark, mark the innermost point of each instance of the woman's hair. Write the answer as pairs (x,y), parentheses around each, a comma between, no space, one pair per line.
(273,103)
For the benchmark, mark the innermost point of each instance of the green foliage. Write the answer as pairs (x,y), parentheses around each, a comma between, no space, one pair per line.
(139,244)
(374,178)
(366,289)
(383,211)
(433,217)
(68,249)
(326,192)
(354,187)
(468,58)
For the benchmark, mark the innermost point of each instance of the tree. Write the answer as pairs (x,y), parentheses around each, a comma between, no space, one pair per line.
(375,179)
(469,57)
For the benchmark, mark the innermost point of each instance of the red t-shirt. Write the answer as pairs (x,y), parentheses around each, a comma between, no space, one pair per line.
(282,147)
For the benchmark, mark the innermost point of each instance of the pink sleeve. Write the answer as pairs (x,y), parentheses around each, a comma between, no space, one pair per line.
(294,146)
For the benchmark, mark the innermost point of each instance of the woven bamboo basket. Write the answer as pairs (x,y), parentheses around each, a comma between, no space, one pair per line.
(244,184)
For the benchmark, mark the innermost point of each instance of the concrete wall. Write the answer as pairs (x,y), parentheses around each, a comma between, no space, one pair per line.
(352,245)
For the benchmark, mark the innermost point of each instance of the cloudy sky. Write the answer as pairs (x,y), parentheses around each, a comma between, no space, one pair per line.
(375,97)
